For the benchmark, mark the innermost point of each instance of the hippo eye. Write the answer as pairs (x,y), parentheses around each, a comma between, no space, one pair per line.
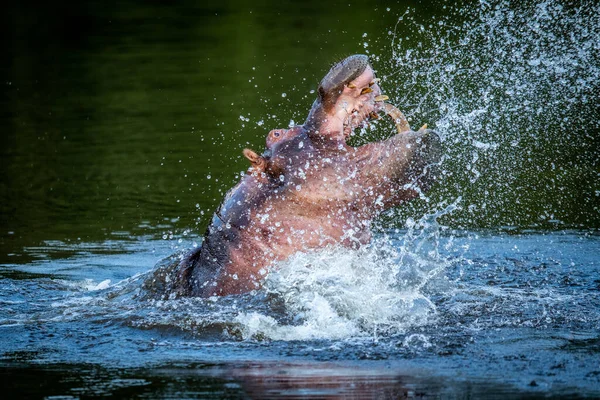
(276,134)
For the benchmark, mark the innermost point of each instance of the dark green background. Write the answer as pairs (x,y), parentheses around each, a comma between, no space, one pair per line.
(113,115)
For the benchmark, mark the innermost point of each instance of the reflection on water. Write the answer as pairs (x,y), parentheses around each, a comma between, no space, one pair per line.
(253,380)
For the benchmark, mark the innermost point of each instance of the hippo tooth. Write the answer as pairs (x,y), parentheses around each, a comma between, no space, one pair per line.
(381,97)
(423,127)
(374,81)
(366,90)
(351,86)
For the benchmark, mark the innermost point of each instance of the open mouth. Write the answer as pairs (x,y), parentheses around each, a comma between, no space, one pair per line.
(361,116)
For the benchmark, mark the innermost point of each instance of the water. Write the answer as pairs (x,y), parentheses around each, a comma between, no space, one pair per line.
(123,127)
(494,302)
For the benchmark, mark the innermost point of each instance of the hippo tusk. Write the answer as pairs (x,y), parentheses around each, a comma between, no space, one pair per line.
(399,119)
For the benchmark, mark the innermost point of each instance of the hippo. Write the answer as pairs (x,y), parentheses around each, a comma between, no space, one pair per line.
(309,189)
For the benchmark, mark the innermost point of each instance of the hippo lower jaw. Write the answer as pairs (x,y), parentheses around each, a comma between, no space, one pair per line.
(397,116)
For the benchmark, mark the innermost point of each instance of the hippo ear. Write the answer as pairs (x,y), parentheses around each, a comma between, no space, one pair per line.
(258,162)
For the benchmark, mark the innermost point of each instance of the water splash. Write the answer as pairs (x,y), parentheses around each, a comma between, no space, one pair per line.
(513,90)
(506,64)
(337,293)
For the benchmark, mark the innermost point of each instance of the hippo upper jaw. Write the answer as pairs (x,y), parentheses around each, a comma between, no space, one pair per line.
(358,101)
(347,99)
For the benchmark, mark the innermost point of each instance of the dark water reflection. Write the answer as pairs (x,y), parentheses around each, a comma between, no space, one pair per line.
(248,381)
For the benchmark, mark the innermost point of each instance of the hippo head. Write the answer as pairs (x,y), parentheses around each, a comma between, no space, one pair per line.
(348,95)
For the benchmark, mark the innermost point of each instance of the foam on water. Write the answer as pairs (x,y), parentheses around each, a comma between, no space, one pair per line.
(427,295)
(339,293)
